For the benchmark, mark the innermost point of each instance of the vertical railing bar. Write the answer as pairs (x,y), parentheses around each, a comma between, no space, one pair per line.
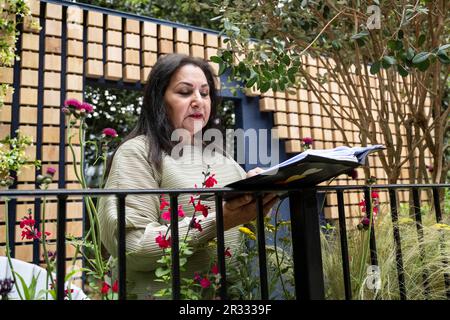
(437,205)
(261,247)
(372,241)
(437,210)
(221,247)
(398,245)
(39,125)
(175,246)
(121,245)
(61,247)
(306,245)
(418,217)
(344,245)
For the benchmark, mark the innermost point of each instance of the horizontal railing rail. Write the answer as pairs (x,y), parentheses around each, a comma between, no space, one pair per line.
(306,243)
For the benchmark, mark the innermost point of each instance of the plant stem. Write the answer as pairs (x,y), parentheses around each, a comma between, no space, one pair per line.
(8,253)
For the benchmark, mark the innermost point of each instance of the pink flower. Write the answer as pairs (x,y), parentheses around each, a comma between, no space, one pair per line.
(86,107)
(73,103)
(192,200)
(205,283)
(197,277)
(163,242)
(166,215)
(307,140)
(110,132)
(227,252)
(210,182)
(51,171)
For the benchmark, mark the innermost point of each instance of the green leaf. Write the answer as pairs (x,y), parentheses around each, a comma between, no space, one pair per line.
(161,272)
(410,53)
(215,59)
(375,67)
(420,57)
(395,45)
(222,68)
(423,66)
(389,60)
(24,286)
(402,71)
(336,45)
(227,56)
(286,60)
(265,86)
(360,35)
(444,47)
(252,81)
(443,58)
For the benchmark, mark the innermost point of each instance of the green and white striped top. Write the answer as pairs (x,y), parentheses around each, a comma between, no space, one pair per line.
(131,170)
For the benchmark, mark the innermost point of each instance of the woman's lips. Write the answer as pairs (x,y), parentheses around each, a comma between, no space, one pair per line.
(196,116)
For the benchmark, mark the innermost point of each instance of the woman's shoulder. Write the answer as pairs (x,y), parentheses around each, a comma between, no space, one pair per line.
(137,144)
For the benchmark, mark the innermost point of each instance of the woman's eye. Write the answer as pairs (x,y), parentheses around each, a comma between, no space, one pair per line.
(204,94)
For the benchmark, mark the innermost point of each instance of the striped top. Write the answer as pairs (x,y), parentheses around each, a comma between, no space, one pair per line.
(130,169)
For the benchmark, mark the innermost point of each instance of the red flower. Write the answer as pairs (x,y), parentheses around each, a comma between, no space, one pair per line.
(166,215)
(307,140)
(27,221)
(196,225)
(181,213)
(202,208)
(163,242)
(227,252)
(205,283)
(163,203)
(110,132)
(192,200)
(105,288)
(210,182)
(362,204)
(375,194)
(115,287)
(215,269)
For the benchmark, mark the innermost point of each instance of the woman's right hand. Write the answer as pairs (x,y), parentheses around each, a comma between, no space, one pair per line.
(242,210)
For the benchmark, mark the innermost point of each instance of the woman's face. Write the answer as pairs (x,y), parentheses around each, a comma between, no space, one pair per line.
(187,99)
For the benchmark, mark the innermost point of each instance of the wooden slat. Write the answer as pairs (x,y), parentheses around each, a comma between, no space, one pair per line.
(113,71)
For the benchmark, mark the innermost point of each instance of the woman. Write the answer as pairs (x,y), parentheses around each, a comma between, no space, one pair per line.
(179,95)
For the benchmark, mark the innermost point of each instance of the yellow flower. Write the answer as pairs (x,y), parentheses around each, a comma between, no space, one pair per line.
(441,226)
(405,221)
(248,232)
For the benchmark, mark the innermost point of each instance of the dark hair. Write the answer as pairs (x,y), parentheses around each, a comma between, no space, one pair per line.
(154,120)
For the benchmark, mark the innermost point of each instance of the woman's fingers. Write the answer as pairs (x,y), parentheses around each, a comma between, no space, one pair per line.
(254,172)
(238,202)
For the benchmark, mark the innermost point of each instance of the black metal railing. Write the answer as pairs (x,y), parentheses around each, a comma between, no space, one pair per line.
(306,243)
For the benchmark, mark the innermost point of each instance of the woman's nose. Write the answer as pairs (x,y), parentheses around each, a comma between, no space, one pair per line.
(197,98)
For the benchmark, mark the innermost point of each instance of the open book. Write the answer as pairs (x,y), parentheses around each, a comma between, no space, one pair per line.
(306,169)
